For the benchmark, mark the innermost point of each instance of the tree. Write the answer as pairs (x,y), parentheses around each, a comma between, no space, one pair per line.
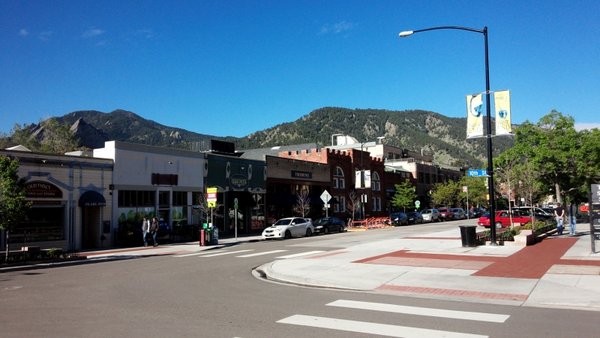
(13,205)
(352,203)
(302,205)
(477,191)
(445,194)
(405,195)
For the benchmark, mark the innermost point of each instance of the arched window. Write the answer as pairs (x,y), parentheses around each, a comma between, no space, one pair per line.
(338,179)
(375,182)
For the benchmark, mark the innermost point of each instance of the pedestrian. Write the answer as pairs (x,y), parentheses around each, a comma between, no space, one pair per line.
(572,218)
(154,230)
(559,214)
(145,229)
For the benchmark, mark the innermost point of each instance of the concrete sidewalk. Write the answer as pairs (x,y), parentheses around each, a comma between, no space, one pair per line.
(559,272)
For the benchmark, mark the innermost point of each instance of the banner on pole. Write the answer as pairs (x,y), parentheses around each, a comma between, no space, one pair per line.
(474,115)
(502,105)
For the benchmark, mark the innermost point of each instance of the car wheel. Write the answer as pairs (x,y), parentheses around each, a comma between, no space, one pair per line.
(309,232)
(287,235)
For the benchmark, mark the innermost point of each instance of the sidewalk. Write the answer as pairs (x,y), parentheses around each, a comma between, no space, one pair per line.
(558,272)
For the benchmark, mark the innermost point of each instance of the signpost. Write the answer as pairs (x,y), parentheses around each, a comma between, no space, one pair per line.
(417,204)
(326,197)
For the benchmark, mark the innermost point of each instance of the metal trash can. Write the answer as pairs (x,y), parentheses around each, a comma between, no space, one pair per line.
(468,235)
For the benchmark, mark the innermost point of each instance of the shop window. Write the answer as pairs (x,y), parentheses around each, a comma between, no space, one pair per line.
(180,198)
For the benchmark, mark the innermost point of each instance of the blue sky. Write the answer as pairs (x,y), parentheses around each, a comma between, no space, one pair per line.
(230,68)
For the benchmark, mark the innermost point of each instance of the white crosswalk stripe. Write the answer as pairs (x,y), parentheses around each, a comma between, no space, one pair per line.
(226,253)
(261,253)
(372,328)
(421,311)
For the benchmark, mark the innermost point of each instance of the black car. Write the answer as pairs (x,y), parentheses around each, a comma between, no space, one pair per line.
(414,217)
(326,225)
(399,218)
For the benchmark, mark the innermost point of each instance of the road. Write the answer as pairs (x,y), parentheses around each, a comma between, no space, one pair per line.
(215,294)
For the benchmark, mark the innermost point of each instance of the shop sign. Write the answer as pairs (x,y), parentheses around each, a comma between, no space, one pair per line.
(301,174)
(41,189)
(238,181)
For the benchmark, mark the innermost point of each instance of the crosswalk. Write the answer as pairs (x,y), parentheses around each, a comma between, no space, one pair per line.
(372,328)
(247,253)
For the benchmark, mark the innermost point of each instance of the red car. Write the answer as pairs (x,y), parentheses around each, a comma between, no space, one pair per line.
(502,219)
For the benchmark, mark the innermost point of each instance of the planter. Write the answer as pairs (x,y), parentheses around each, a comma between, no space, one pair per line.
(525,237)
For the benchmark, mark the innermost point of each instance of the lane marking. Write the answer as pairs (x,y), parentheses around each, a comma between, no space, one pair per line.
(226,253)
(421,311)
(194,254)
(372,328)
(261,253)
(300,254)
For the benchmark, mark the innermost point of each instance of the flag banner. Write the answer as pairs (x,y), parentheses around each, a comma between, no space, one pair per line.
(474,115)
(502,105)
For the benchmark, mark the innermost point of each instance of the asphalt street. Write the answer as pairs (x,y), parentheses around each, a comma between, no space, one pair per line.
(211,292)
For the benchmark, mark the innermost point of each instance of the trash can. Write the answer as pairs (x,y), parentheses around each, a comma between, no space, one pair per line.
(468,236)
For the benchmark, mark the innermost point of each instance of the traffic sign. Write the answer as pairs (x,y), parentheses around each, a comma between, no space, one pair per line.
(417,204)
(477,173)
(325,196)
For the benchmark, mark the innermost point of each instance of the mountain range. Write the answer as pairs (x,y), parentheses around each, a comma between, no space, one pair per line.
(417,130)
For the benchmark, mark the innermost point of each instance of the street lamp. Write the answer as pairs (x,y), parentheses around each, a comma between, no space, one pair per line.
(490,165)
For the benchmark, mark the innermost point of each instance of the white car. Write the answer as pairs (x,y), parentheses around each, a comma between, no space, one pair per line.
(430,215)
(289,227)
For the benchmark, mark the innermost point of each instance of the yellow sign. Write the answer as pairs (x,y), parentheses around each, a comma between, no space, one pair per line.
(211,197)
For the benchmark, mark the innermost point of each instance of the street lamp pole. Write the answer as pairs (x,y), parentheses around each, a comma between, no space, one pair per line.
(490,164)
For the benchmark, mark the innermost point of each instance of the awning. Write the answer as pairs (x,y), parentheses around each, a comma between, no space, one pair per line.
(91,199)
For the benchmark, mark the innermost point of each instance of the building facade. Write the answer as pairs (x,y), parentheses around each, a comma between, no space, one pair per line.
(70,199)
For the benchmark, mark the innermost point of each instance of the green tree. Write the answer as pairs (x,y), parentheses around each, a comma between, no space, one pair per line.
(405,195)
(445,194)
(476,191)
(13,205)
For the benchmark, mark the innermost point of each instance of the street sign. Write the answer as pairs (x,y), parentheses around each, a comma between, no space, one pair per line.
(417,204)
(211,197)
(325,197)
(477,173)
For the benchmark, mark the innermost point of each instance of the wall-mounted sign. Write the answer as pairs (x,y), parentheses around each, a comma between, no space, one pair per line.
(238,181)
(41,189)
(301,174)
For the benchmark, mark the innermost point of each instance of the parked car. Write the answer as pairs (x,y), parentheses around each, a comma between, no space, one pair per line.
(329,224)
(430,215)
(399,218)
(476,212)
(445,214)
(502,219)
(542,213)
(458,213)
(289,227)
(414,217)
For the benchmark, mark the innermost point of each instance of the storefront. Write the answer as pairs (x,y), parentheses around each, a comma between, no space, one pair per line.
(289,181)
(240,187)
(154,182)
(68,195)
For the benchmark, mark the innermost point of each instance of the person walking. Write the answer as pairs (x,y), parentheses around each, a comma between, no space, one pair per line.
(154,230)
(559,215)
(145,229)
(572,219)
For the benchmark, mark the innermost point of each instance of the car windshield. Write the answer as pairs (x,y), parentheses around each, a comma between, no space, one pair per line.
(283,222)
(426,211)
(321,221)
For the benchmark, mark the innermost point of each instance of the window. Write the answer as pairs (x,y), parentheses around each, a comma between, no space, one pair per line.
(376,203)
(134,198)
(342,203)
(338,179)
(376,182)
(179,198)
